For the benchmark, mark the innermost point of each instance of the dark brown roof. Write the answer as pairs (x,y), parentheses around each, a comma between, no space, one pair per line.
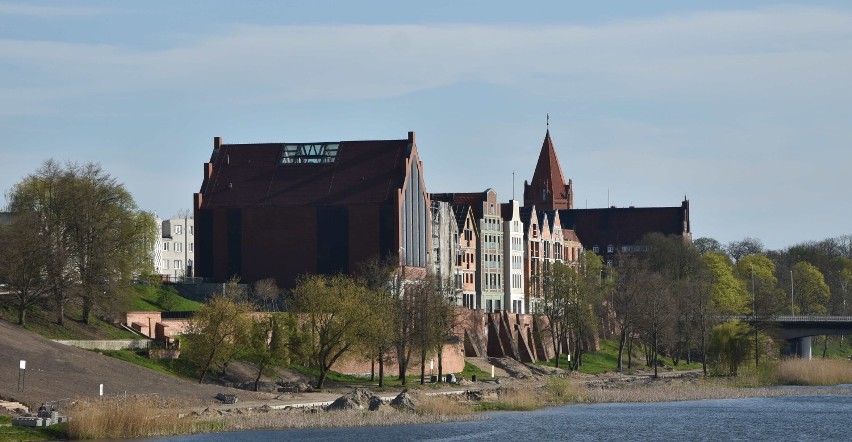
(364,172)
(472,199)
(548,172)
(624,226)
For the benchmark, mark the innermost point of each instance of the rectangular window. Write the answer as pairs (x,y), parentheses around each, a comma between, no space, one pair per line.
(178,247)
(191,230)
(191,247)
(609,248)
(165,246)
(177,264)
(178,230)
(595,249)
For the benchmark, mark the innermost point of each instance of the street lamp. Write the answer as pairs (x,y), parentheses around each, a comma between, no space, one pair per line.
(752,291)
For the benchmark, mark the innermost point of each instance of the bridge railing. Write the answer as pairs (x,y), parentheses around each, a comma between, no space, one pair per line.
(792,318)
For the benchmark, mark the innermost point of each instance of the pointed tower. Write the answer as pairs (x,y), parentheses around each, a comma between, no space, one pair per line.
(547,190)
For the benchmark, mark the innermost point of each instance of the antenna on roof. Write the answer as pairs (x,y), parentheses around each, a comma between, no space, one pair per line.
(548,121)
(513,185)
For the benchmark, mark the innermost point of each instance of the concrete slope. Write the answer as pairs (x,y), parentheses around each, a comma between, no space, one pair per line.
(55,371)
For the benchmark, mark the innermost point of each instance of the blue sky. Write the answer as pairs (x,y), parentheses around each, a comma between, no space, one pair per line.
(741,106)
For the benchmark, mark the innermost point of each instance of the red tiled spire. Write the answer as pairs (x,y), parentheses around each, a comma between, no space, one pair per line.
(548,190)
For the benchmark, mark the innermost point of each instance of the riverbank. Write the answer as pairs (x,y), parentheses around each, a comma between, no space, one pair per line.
(152,417)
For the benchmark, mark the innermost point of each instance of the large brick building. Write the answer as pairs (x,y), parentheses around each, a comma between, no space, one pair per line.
(281,210)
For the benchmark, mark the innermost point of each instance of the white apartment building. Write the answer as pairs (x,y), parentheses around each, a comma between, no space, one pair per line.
(174,252)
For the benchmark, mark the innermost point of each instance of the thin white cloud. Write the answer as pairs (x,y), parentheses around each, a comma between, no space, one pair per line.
(785,52)
(47,11)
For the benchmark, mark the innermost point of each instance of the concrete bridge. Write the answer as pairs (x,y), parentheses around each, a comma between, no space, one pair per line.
(797,330)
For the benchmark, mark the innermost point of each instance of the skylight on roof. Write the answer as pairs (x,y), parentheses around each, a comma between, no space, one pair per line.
(309,153)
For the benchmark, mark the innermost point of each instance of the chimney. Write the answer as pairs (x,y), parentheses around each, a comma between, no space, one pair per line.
(411,137)
(217,142)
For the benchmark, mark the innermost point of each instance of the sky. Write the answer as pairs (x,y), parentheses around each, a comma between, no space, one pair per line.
(742,107)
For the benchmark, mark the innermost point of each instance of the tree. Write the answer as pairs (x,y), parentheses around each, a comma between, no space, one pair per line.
(730,346)
(657,309)
(267,343)
(377,275)
(729,293)
(758,273)
(23,263)
(217,330)
(97,240)
(556,283)
(629,285)
(810,290)
(332,308)
(706,245)
(266,294)
(46,196)
(110,238)
(379,336)
(747,246)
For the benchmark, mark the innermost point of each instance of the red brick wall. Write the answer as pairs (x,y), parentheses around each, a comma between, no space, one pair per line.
(453,362)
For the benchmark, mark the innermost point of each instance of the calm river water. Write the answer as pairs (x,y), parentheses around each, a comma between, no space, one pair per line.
(790,418)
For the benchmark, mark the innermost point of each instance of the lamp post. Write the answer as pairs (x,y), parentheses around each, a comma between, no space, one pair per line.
(752,291)
(792,306)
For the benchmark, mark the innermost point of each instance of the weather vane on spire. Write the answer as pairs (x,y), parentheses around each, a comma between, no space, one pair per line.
(548,121)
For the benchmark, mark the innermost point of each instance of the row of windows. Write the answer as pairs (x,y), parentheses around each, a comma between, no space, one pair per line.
(176,246)
(611,248)
(517,282)
(176,264)
(179,230)
(492,281)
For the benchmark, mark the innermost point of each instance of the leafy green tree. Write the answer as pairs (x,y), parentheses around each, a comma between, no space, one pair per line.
(730,346)
(810,290)
(268,342)
(332,308)
(46,195)
(97,240)
(217,330)
(378,276)
(729,293)
(758,273)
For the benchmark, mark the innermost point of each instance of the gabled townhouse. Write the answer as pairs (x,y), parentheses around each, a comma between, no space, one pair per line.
(466,256)
(513,258)
(533,258)
(445,246)
(486,210)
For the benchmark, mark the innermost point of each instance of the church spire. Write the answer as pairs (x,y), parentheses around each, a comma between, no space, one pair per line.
(548,189)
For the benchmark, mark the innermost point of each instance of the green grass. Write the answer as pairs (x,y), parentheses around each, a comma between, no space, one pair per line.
(836,350)
(43,322)
(470,370)
(4,420)
(391,378)
(180,368)
(146,296)
(606,360)
(53,432)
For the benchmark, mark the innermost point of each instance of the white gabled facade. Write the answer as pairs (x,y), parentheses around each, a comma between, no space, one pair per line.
(513,258)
